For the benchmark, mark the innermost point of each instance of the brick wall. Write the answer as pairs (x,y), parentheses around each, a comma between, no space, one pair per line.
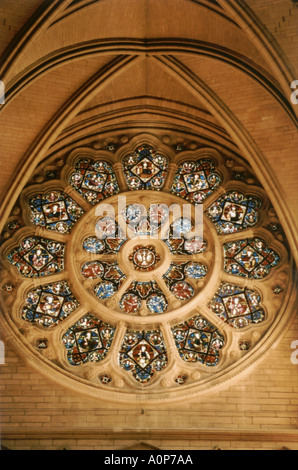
(257,411)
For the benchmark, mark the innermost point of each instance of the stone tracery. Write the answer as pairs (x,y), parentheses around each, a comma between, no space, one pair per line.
(142,267)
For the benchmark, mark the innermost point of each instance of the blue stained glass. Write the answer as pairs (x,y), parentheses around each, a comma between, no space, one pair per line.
(157,303)
(94,180)
(181,227)
(36,257)
(143,353)
(149,291)
(49,305)
(89,340)
(237,306)
(197,340)
(196,270)
(234,211)
(105,290)
(145,169)
(249,258)
(94,245)
(133,213)
(195,181)
(177,241)
(54,210)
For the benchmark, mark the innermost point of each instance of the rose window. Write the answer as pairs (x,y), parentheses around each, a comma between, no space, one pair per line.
(144,268)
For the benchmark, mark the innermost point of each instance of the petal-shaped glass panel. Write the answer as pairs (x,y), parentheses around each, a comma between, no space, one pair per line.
(55,211)
(197,340)
(94,180)
(89,340)
(237,306)
(234,211)
(249,258)
(37,257)
(195,181)
(145,169)
(143,353)
(49,305)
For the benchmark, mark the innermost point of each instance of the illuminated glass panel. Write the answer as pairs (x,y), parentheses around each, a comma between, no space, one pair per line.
(94,180)
(112,279)
(108,238)
(145,169)
(144,258)
(49,305)
(93,270)
(178,241)
(197,340)
(89,340)
(143,353)
(195,181)
(36,257)
(234,211)
(237,306)
(54,211)
(156,301)
(249,258)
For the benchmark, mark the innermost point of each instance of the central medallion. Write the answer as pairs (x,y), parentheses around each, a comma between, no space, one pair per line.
(144,258)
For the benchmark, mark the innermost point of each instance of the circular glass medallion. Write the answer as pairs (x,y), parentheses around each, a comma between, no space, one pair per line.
(144,258)
(130,303)
(105,290)
(157,303)
(183,290)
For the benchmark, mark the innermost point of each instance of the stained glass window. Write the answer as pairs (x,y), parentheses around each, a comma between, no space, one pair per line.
(89,340)
(175,279)
(94,180)
(176,275)
(237,306)
(93,270)
(195,181)
(192,246)
(105,379)
(145,267)
(140,222)
(109,238)
(198,341)
(54,211)
(234,211)
(36,257)
(112,279)
(143,353)
(178,241)
(249,258)
(96,246)
(145,169)
(49,305)
(156,301)
(144,258)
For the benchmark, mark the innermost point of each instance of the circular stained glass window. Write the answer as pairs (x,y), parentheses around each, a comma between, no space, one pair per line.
(139,278)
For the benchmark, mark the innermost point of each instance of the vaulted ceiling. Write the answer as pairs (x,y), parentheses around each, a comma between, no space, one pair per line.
(218,70)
